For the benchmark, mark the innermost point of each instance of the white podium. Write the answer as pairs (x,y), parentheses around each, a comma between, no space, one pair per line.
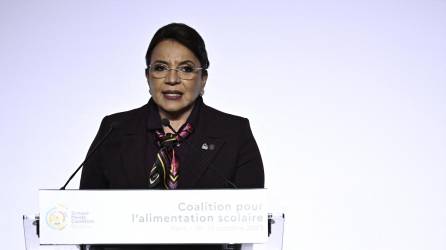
(69,218)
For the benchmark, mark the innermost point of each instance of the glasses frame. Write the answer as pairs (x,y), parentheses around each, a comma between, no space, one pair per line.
(179,71)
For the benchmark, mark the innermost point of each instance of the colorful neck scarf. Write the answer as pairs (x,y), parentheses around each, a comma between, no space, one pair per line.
(167,164)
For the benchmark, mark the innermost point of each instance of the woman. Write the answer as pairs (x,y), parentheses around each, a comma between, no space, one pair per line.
(175,141)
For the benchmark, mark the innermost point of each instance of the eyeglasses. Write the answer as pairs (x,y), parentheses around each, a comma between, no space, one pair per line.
(185,72)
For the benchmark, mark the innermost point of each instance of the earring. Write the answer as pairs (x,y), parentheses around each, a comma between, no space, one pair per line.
(202,92)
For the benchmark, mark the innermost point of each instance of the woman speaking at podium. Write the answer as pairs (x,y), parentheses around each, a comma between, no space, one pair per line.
(175,141)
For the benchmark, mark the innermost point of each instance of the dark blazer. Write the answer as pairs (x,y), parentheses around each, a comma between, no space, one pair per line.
(126,155)
(124,158)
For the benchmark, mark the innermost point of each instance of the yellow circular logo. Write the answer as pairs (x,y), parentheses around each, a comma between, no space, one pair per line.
(57,217)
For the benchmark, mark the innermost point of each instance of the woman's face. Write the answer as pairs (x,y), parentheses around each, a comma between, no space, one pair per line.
(173,95)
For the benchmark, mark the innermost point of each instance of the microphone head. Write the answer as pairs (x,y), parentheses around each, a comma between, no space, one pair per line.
(165,122)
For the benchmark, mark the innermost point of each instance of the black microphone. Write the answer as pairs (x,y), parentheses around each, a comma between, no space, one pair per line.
(166,123)
(112,127)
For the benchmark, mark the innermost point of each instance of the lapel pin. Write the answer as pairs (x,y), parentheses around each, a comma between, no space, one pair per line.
(204,146)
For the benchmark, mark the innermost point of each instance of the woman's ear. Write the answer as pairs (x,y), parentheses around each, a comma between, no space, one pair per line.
(146,73)
(203,82)
(148,80)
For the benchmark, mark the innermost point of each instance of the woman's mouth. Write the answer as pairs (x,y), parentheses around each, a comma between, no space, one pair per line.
(172,95)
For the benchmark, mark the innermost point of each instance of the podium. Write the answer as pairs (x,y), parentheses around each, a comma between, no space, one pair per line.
(70,218)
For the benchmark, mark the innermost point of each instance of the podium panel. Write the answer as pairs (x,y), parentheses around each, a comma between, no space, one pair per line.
(172,216)
(275,239)
(70,218)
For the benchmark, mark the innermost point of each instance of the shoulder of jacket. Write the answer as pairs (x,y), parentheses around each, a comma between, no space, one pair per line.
(126,117)
(219,122)
(217,114)
(127,114)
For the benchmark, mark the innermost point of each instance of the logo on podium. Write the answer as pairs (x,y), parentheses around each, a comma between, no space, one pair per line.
(57,217)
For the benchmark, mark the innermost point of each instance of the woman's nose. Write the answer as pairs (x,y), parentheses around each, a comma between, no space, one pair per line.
(172,77)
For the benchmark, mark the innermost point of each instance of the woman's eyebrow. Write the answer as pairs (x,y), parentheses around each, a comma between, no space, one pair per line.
(187,61)
(161,61)
(182,62)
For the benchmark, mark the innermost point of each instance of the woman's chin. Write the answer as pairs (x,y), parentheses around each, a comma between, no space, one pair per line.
(175,111)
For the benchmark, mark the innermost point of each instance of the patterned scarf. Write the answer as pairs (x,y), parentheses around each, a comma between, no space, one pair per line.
(166,159)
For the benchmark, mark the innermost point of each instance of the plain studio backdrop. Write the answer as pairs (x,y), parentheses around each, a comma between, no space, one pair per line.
(347,101)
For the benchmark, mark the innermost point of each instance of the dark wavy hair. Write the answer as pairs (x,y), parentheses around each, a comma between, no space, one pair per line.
(185,35)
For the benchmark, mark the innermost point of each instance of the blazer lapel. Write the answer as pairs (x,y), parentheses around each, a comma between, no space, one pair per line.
(199,154)
(134,160)
(200,150)
(134,152)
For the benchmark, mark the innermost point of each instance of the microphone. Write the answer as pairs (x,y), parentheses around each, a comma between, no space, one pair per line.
(166,123)
(112,127)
